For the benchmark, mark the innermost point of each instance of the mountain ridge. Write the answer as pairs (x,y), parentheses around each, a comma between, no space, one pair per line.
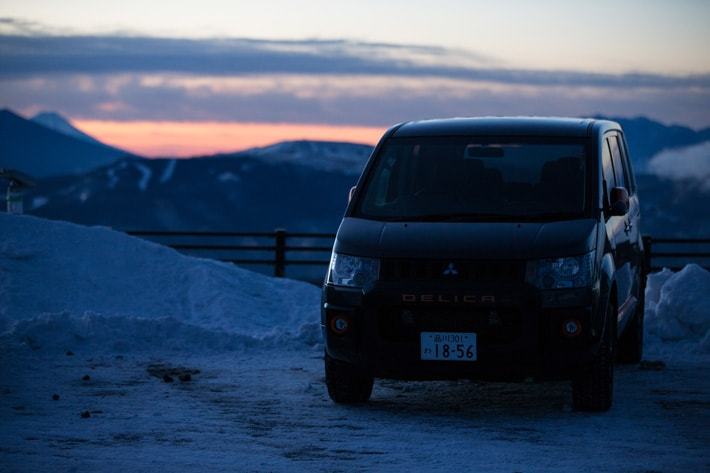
(42,152)
(647,137)
(61,124)
(300,185)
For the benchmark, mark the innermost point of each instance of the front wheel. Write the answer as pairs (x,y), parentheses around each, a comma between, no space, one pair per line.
(346,383)
(593,385)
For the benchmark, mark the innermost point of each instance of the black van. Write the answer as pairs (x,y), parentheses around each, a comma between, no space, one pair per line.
(488,248)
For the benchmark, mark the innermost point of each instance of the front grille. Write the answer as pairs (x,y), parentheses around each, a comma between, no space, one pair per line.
(402,324)
(481,271)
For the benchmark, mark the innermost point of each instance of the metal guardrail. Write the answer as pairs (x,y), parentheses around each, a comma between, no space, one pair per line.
(276,242)
(670,252)
(281,244)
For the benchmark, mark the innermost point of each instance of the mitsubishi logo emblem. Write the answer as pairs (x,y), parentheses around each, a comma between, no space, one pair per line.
(451,270)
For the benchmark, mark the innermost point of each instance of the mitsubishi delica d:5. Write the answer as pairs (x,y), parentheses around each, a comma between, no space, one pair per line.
(488,248)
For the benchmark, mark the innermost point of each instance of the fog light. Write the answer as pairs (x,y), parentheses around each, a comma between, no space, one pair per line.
(339,324)
(571,328)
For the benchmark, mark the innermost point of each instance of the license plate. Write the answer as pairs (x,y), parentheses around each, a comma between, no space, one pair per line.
(448,346)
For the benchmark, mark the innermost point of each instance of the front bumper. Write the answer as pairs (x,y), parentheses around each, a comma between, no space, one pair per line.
(518,329)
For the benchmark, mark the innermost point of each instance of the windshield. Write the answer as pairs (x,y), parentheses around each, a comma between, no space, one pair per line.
(437,178)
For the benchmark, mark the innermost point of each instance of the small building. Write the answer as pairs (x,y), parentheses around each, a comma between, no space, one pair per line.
(17,183)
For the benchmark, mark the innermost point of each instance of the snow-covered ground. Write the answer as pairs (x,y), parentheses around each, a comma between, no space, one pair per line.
(110,324)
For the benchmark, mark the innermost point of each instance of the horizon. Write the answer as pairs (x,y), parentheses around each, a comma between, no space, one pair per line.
(114,134)
(161,79)
(189,140)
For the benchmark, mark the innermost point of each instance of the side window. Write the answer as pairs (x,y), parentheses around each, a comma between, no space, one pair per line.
(382,182)
(608,172)
(618,164)
(627,165)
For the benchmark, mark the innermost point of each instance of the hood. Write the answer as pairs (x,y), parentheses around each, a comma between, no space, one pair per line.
(465,240)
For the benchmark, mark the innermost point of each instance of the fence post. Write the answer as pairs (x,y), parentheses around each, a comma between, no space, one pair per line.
(647,244)
(280,253)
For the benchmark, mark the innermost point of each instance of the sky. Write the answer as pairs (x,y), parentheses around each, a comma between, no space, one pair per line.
(182,78)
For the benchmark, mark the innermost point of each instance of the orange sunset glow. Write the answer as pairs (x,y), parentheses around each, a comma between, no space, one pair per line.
(183,139)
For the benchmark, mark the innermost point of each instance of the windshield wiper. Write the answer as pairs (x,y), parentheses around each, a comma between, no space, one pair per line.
(547,216)
(460,217)
(484,217)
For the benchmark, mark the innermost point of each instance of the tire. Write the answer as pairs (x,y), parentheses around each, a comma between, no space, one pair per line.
(593,385)
(631,342)
(346,383)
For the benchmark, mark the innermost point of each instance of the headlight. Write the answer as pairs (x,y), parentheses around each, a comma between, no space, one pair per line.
(558,273)
(352,271)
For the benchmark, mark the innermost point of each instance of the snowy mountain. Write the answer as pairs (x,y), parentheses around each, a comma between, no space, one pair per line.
(58,123)
(244,191)
(302,186)
(646,138)
(41,152)
(260,191)
(347,158)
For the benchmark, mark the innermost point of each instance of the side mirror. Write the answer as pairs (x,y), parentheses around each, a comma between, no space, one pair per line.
(351,193)
(619,201)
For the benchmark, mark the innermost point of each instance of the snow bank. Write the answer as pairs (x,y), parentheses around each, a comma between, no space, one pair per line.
(677,319)
(64,286)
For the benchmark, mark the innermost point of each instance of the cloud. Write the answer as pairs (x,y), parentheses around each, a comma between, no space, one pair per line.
(23,55)
(691,163)
(335,99)
(16,26)
(123,77)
